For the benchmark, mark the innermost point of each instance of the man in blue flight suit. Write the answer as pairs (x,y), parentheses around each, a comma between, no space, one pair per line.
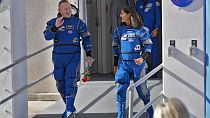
(149,10)
(131,46)
(66,31)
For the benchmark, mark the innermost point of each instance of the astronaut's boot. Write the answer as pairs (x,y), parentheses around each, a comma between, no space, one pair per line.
(121,109)
(70,115)
(150,110)
(70,108)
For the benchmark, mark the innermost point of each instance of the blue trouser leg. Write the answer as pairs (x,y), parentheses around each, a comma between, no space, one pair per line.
(71,91)
(121,100)
(60,84)
(121,109)
(150,110)
(155,52)
(144,94)
(122,80)
(59,75)
(66,74)
(71,78)
(142,89)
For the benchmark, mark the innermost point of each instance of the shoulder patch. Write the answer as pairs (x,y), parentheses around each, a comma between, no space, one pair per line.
(145,29)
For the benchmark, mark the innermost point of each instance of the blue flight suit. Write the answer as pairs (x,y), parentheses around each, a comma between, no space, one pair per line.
(151,15)
(129,44)
(66,55)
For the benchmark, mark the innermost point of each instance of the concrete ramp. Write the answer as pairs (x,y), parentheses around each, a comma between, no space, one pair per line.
(96,99)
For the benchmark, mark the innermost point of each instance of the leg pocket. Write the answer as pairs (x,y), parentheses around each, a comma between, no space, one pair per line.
(58,73)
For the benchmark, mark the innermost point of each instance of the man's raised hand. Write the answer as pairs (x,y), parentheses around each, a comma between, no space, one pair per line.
(59,22)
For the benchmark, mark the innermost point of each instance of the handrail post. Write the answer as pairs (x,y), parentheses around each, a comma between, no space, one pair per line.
(134,85)
(131,94)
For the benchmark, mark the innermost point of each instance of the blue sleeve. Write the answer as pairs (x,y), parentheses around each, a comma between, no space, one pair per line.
(157,14)
(116,42)
(145,39)
(85,35)
(48,34)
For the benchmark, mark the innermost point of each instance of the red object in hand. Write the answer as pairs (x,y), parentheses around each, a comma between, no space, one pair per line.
(86,74)
(85,79)
(88,78)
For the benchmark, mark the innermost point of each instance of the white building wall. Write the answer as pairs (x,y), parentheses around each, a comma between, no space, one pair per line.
(38,13)
(183,75)
(5,59)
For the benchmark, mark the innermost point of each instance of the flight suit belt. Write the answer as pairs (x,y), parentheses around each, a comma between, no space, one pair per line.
(57,45)
(67,52)
(130,52)
(126,60)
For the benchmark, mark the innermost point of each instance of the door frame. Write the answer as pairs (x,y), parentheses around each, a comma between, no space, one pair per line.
(207,52)
(104,55)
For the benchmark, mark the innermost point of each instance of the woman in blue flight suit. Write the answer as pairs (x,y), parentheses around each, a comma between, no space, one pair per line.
(131,46)
(150,12)
(66,31)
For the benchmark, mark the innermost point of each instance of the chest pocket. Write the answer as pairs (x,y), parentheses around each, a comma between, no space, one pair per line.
(132,40)
(131,37)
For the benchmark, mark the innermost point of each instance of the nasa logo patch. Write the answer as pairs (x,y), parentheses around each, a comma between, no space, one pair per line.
(182,3)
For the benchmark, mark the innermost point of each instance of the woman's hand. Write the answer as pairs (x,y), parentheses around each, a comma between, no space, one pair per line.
(154,32)
(139,60)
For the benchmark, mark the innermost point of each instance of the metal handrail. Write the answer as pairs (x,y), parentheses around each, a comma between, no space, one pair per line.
(31,84)
(25,87)
(134,85)
(160,95)
(147,76)
(24,58)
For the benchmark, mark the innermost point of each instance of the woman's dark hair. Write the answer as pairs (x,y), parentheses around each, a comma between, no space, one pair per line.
(136,20)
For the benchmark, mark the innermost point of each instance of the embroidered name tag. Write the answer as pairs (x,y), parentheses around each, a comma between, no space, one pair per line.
(69,26)
(133,35)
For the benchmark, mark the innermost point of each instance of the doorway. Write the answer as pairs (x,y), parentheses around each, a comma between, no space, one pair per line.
(98,22)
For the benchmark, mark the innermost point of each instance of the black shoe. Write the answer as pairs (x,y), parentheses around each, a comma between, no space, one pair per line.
(72,115)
